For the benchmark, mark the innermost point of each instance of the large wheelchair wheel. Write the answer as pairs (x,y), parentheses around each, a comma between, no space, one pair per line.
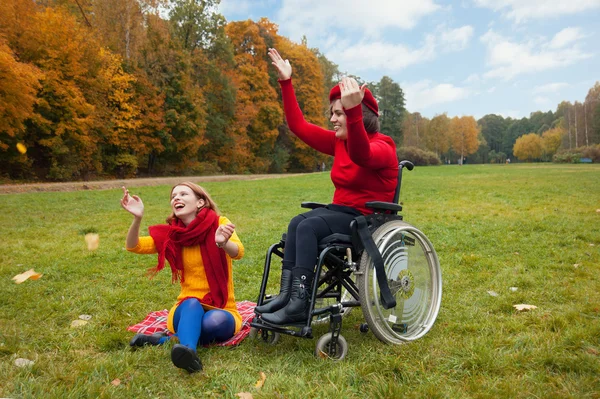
(415,280)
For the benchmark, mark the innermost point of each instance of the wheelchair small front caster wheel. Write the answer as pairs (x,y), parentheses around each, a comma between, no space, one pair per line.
(325,349)
(269,337)
(364,328)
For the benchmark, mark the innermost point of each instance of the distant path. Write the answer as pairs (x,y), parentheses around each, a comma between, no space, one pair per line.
(110,184)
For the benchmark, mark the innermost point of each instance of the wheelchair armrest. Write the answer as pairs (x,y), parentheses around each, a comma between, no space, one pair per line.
(383,206)
(312,205)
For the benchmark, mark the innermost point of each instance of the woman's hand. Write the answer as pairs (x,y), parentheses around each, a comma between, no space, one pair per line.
(223,234)
(352,93)
(284,69)
(132,204)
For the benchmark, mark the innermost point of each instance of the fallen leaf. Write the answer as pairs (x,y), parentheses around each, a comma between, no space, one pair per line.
(78,323)
(516,253)
(116,382)
(492,293)
(85,317)
(576,265)
(21,148)
(523,307)
(597,210)
(592,245)
(261,381)
(20,362)
(92,240)
(513,289)
(29,274)
(244,395)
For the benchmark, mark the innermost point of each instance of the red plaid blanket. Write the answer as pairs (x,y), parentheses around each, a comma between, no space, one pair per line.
(156,322)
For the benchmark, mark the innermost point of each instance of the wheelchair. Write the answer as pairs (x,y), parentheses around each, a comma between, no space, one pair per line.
(400,303)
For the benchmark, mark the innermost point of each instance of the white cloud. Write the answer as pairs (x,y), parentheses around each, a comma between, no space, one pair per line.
(380,56)
(472,79)
(425,93)
(550,88)
(319,18)
(508,59)
(565,37)
(524,10)
(491,89)
(456,39)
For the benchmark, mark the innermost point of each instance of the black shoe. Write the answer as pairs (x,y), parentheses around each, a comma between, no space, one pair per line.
(280,300)
(296,311)
(185,358)
(143,339)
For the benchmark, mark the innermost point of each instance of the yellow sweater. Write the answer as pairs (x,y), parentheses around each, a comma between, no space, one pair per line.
(195,283)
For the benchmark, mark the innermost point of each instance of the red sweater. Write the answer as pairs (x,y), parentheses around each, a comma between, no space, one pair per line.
(365,165)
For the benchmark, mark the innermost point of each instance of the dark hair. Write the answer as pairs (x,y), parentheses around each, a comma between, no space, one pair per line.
(370,119)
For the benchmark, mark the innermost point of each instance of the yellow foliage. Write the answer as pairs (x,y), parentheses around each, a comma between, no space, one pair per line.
(528,147)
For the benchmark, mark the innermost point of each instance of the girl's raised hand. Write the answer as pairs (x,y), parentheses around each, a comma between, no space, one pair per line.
(132,204)
(284,69)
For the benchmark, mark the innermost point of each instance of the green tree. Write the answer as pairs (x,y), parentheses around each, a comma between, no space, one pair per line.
(391,101)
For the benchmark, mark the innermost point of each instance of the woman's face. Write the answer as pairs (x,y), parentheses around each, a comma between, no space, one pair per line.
(338,119)
(184,203)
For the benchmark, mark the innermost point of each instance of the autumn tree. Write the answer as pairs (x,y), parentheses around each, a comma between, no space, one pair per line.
(551,141)
(258,112)
(463,136)
(528,147)
(438,134)
(17,101)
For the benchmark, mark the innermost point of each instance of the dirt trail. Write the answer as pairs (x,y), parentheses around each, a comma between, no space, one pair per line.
(110,184)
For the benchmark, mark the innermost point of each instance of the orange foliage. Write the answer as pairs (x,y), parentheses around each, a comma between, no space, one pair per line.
(17,94)
(258,111)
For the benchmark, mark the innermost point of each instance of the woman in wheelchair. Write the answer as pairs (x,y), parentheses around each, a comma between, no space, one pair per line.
(365,168)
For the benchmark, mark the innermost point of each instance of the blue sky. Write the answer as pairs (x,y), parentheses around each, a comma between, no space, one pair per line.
(470,57)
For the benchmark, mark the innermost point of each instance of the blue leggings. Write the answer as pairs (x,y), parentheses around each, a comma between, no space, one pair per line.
(193,325)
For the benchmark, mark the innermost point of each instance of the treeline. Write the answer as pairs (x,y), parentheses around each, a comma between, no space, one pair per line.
(569,133)
(113,88)
(116,88)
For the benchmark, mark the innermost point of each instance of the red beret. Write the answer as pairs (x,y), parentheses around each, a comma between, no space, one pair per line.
(368,99)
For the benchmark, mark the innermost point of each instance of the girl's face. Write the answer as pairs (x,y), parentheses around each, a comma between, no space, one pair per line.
(338,118)
(185,203)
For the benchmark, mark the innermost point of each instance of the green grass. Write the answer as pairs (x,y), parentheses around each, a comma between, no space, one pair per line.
(493,227)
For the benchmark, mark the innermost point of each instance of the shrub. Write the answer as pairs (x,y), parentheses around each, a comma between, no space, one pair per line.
(418,156)
(574,155)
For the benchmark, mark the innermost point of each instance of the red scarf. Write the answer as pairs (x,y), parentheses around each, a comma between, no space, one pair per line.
(169,240)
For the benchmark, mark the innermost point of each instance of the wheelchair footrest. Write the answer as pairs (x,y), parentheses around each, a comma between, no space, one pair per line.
(301,329)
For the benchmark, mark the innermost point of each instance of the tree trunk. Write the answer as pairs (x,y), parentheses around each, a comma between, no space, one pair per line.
(576,143)
(587,143)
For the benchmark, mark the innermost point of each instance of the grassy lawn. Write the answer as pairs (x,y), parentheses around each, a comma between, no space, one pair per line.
(533,227)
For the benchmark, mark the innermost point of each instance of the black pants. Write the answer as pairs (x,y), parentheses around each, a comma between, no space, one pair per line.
(306,230)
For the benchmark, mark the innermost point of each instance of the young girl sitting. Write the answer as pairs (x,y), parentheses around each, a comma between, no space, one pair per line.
(199,245)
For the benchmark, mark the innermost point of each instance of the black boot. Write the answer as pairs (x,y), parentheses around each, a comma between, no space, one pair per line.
(280,300)
(185,358)
(143,339)
(296,311)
